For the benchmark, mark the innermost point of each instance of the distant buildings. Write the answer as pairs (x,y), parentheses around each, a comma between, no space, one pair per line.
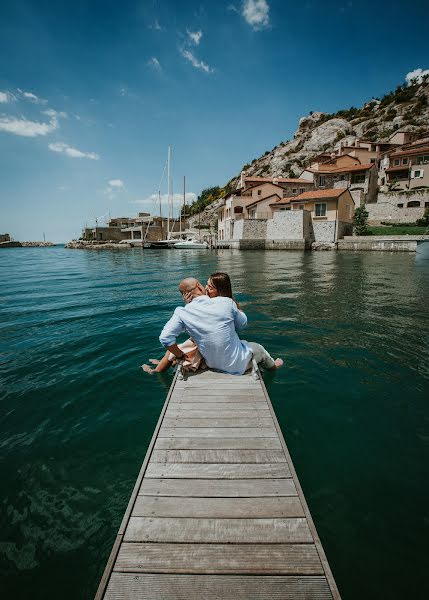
(142,227)
(253,209)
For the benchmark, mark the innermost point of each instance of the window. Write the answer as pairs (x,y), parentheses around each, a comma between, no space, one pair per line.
(358,178)
(417,174)
(301,207)
(401,205)
(372,161)
(397,162)
(321,209)
(294,191)
(405,161)
(342,177)
(423,160)
(259,192)
(321,181)
(426,204)
(301,190)
(413,204)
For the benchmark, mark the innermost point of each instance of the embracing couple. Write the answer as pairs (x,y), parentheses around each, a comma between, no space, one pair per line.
(211,318)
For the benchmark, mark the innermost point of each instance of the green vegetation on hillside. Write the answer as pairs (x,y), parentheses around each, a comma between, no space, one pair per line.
(206,197)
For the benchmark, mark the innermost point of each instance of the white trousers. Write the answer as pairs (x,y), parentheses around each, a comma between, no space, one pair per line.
(262,357)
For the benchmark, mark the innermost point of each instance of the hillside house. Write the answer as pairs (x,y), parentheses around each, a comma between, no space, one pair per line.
(346,172)
(253,199)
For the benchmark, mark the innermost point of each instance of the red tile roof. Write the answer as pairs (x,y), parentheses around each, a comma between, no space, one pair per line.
(313,195)
(260,200)
(400,152)
(342,169)
(280,179)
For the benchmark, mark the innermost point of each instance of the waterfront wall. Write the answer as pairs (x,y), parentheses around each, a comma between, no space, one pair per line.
(289,225)
(393,206)
(400,243)
(250,229)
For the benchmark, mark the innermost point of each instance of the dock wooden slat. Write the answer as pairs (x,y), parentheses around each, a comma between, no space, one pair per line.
(273,559)
(131,586)
(218,456)
(217,511)
(215,488)
(237,508)
(217,471)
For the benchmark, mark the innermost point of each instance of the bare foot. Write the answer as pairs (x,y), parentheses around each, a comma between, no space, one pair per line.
(154,361)
(278,363)
(148,369)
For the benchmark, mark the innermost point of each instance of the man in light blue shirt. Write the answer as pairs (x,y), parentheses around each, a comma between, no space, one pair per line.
(213,324)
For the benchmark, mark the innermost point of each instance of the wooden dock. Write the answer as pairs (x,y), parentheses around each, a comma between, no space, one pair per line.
(217,511)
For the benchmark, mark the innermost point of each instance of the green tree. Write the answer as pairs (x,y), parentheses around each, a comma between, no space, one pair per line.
(424,221)
(360,221)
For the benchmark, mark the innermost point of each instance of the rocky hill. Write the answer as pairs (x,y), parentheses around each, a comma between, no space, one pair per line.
(406,107)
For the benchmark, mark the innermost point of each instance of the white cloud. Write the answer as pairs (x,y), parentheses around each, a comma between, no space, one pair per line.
(417,74)
(54,114)
(32,97)
(6,97)
(198,64)
(154,64)
(116,183)
(232,8)
(256,13)
(63,148)
(26,128)
(194,36)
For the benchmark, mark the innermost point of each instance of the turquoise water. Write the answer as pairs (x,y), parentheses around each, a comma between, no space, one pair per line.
(77,412)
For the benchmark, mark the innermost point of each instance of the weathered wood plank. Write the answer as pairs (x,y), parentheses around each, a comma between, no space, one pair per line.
(218,422)
(209,413)
(226,488)
(217,443)
(232,403)
(217,471)
(231,531)
(171,432)
(218,456)
(234,508)
(268,559)
(129,586)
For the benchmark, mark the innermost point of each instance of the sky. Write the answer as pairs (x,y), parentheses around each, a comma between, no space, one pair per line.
(92,93)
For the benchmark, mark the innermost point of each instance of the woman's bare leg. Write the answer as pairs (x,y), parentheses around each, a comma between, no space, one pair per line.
(163,365)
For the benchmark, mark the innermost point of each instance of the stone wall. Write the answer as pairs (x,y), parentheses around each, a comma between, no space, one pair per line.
(344,229)
(324,231)
(288,225)
(250,229)
(386,208)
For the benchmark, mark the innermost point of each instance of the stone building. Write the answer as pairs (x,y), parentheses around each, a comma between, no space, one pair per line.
(293,222)
(346,172)
(406,167)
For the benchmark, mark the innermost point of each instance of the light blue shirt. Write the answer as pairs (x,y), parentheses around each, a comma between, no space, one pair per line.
(212,324)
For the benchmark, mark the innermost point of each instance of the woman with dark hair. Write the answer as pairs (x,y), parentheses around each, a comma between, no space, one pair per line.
(218,284)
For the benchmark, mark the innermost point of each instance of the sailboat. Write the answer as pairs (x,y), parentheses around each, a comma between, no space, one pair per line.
(166,243)
(190,243)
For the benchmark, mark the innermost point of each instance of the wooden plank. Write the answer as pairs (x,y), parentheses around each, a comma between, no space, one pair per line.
(228,531)
(235,508)
(274,559)
(171,432)
(155,586)
(218,422)
(202,412)
(217,471)
(218,391)
(218,456)
(239,402)
(217,443)
(226,488)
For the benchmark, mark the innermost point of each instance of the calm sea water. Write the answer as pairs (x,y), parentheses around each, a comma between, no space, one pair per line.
(77,412)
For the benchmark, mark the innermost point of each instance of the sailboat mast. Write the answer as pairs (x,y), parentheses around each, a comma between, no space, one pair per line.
(184,199)
(169,191)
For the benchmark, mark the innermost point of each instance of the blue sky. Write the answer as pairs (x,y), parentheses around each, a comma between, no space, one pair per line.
(93,92)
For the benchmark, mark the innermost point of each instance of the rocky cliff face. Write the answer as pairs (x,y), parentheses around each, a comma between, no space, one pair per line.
(407,107)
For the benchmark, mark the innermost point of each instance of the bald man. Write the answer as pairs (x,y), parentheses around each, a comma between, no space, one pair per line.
(213,324)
